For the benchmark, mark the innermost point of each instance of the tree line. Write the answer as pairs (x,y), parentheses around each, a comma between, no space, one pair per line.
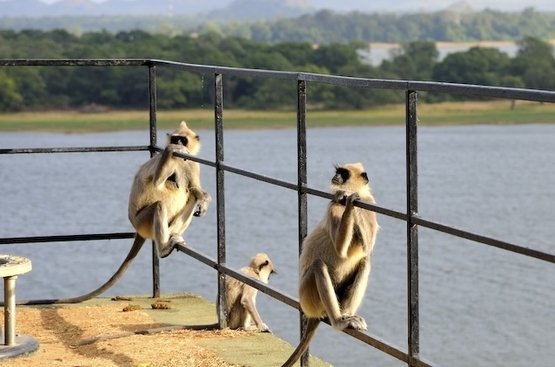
(321,27)
(39,88)
(327,26)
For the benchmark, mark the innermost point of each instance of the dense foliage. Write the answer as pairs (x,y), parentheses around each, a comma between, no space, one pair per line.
(326,26)
(322,27)
(24,88)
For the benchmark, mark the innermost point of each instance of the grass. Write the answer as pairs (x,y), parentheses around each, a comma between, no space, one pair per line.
(448,113)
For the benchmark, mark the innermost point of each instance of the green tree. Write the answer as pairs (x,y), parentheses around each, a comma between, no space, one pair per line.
(30,85)
(478,65)
(415,60)
(335,56)
(10,98)
(535,63)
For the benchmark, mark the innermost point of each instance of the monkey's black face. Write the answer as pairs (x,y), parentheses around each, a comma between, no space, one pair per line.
(341,176)
(182,140)
(179,140)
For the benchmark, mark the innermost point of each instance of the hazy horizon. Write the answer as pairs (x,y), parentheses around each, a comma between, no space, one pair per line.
(407,5)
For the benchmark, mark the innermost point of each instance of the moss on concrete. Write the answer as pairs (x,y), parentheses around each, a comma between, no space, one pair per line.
(249,349)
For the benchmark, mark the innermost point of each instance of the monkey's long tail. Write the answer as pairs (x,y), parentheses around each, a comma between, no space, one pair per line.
(137,245)
(303,345)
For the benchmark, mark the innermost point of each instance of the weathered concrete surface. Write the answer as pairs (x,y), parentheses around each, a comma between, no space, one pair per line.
(250,349)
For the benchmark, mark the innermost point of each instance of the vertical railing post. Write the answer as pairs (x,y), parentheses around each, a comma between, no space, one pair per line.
(9,310)
(412,229)
(153,137)
(301,184)
(220,199)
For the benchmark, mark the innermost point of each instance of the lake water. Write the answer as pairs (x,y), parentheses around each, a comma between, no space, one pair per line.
(480,306)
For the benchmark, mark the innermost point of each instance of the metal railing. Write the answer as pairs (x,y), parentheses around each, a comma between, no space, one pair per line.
(410,216)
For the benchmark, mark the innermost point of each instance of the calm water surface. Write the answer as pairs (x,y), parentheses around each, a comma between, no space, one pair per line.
(480,306)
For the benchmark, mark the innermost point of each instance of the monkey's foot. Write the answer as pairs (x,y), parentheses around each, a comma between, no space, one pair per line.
(172,243)
(265,329)
(175,240)
(350,322)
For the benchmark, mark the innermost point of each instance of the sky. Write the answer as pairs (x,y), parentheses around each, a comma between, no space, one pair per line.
(346,5)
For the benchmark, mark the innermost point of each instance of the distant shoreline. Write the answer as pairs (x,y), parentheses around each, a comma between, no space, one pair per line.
(379,51)
(440,114)
(455,45)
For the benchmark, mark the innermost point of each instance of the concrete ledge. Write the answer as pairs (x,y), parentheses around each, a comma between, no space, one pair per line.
(190,311)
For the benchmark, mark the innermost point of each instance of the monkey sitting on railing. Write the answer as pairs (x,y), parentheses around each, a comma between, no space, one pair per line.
(335,257)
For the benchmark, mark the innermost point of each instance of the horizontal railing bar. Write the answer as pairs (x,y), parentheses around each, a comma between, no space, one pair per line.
(374,341)
(311,191)
(237,275)
(425,223)
(485,240)
(421,86)
(535,95)
(272,292)
(383,346)
(374,208)
(74,149)
(198,256)
(455,88)
(74,62)
(348,81)
(67,238)
(259,177)
(402,216)
(192,158)
(366,338)
(213,69)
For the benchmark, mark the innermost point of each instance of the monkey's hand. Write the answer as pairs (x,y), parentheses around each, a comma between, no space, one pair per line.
(177,148)
(349,200)
(202,204)
(339,197)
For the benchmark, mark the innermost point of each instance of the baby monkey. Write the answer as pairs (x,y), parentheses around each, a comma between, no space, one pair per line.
(241,298)
(334,265)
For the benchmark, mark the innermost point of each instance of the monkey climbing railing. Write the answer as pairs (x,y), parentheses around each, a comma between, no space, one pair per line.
(411,356)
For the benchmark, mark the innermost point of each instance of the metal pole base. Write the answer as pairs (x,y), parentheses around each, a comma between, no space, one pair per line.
(24,345)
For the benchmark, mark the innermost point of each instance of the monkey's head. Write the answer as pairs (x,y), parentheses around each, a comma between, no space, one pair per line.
(263,266)
(185,138)
(350,178)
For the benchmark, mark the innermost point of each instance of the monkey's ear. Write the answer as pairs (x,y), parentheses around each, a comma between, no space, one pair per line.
(365,176)
(265,263)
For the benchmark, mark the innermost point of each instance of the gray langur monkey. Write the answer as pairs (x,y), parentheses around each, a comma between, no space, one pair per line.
(165,192)
(240,299)
(164,195)
(335,259)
